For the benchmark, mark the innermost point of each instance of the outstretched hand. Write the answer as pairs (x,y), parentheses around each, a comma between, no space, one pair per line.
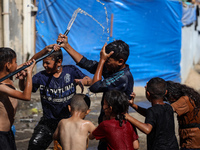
(55,47)
(22,74)
(131,101)
(62,39)
(30,68)
(78,82)
(103,55)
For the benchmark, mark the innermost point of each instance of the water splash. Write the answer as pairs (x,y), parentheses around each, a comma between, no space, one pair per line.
(79,10)
(106,12)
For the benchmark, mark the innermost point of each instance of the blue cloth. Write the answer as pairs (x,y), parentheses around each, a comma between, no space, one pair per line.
(56,93)
(151,28)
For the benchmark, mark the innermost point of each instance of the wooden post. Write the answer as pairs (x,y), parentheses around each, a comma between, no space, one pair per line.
(111,25)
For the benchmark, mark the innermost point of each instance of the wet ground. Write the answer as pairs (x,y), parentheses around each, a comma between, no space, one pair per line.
(29,113)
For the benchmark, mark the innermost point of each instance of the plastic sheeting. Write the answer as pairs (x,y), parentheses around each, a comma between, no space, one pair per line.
(152,29)
(189,14)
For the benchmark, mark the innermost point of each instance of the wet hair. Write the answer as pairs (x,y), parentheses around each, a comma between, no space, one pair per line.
(6,55)
(80,102)
(57,55)
(177,90)
(157,88)
(119,102)
(120,48)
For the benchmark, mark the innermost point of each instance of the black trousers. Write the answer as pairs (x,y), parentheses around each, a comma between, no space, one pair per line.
(42,135)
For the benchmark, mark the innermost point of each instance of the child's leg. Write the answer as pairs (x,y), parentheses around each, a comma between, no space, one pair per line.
(41,138)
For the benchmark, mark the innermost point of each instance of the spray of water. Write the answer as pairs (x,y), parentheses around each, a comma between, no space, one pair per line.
(79,10)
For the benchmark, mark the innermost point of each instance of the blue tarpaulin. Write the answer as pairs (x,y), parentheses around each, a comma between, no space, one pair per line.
(152,29)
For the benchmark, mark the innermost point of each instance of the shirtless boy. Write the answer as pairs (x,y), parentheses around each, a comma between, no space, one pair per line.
(73,132)
(9,96)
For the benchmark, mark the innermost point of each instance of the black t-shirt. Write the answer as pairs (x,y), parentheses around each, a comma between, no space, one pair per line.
(162,136)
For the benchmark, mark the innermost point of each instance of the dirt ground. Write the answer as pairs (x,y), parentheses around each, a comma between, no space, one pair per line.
(29,113)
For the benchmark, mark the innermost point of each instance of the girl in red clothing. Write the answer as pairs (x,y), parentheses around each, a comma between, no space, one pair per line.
(115,130)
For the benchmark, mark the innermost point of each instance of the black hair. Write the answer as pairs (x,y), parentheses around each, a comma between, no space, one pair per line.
(6,55)
(177,90)
(157,88)
(57,55)
(119,102)
(80,102)
(120,48)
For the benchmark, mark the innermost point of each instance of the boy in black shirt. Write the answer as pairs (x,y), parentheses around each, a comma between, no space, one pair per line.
(159,121)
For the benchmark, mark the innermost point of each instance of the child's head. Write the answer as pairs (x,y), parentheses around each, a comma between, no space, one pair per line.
(53,62)
(119,57)
(116,104)
(156,89)
(80,103)
(177,90)
(174,91)
(120,48)
(7,56)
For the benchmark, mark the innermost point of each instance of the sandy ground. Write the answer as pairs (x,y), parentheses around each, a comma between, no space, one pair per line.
(29,113)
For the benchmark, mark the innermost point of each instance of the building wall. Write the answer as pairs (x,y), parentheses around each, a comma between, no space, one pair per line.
(190,50)
(21,28)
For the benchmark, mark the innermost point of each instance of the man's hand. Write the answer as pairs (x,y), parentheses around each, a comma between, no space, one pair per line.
(103,55)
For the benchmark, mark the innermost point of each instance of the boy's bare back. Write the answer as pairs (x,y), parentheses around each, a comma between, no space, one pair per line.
(73,133)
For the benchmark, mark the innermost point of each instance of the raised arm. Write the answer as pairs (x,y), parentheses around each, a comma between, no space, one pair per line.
(63,39)
(22,75)
(47,49)
(103,58)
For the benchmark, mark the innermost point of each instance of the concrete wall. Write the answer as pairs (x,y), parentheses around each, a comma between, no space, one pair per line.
(190,51)
(21,28)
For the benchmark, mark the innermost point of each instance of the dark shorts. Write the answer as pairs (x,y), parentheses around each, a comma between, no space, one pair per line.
(7,141)
(42,135)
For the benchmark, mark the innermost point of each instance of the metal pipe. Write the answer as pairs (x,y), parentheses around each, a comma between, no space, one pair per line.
(6,31)
(25,66)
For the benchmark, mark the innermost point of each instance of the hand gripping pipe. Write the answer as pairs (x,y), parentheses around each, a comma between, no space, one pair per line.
(25,66)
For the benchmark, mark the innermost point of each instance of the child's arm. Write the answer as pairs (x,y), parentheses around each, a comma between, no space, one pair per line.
(144,127)
(26,94)
(136,145)
(91,129)
(86,81)
(139,109)
(56,135)
(22,75)
(47,49)
(63,39)
(103,57)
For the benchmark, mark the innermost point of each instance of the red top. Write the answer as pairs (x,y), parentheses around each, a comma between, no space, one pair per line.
(117,138)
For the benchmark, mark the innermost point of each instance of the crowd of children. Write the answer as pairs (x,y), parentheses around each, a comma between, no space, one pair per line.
(64,110)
